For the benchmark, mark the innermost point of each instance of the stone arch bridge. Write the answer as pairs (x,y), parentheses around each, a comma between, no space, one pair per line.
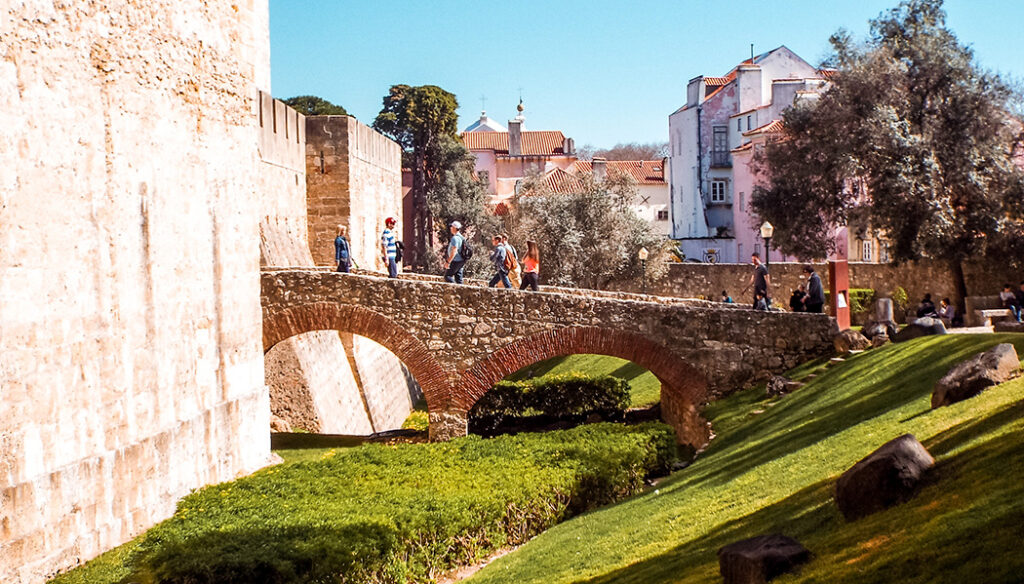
(457,341)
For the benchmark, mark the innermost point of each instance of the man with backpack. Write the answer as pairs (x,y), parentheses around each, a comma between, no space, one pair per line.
(457,254)
(500,258)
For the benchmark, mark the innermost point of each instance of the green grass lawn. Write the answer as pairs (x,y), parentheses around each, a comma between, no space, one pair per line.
(773,468)
(382,513)
(644,387)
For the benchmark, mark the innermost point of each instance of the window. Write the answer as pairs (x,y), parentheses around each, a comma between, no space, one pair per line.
(757,248)
(865,251)
(743,201)
(739,124)
(883,254)
(718,191)
(748,122)
(663,215)
(720,146)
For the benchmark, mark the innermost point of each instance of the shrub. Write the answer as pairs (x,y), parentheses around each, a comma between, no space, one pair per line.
(391,514)
(562,396)
(860,299)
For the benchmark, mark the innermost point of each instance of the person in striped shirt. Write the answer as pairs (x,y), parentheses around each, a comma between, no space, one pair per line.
(389,247)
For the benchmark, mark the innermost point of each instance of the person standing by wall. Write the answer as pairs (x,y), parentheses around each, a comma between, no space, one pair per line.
(453,261)
(760,280)
(389,247)
(531,266)
(342,250)
(815,300)
(498,259)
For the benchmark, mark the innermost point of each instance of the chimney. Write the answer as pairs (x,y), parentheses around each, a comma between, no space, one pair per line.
(515,138)
(695,90)
(600,166)
(568,147)
(748,85)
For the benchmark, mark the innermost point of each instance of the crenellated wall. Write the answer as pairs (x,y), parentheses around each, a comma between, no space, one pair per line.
(130,365)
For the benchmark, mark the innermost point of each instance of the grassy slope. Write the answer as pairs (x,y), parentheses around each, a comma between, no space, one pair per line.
(776,471)
(644,387)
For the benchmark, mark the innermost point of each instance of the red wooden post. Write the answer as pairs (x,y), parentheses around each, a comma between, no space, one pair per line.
(839,277)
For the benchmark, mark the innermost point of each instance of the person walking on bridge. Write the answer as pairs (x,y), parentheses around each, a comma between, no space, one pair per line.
(499,257)
(531,266)
(342,250)
(389,247)
(453,261)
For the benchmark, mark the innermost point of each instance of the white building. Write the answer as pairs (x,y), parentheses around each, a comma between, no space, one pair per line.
(709,215)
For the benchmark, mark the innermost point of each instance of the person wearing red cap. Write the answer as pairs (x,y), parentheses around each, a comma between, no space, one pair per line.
(389,247)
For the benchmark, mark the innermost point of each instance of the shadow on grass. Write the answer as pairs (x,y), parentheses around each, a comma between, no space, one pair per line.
(628,371)
(807,417)
(964,525)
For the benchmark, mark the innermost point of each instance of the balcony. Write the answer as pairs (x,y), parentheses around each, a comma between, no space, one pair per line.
(721,159)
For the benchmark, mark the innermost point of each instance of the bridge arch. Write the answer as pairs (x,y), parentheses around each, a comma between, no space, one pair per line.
(434,379)
(684,388)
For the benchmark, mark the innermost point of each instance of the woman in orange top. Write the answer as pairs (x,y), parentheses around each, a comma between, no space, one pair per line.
(531,265)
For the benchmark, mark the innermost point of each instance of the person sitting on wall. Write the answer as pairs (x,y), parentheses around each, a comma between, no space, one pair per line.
(796,301)
(728,299)
(927,308)
(815,299)
(1009,300)
(759,301)
(948,312)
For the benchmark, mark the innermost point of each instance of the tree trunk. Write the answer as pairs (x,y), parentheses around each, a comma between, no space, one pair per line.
(959,285)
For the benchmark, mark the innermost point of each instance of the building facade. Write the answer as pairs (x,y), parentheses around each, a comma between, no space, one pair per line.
(712,139)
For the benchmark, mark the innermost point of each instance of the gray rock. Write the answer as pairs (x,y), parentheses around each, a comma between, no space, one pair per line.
(971,377)
(921,327)
(850,340)
(759,559)
(779,385)
(887,476)
(1008,326)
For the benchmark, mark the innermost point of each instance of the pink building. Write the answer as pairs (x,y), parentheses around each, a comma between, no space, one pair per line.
(508,157)
(711,141)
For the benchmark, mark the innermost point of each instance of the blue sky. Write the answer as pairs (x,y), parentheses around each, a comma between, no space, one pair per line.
(602,72)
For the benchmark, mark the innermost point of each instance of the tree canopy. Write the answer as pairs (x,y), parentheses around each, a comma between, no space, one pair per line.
(912,138)
(311,105)
(588,237)
(419,119)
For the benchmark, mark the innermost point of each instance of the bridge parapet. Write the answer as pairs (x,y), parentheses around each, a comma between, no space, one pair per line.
(458,340)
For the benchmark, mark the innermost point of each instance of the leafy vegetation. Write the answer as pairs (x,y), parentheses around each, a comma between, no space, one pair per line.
(311,105)
(773,468)
(644,387)
(560,396)
(388,514)
(912,140)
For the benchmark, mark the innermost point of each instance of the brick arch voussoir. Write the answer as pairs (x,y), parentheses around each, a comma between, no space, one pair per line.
(433,377)
(678,377)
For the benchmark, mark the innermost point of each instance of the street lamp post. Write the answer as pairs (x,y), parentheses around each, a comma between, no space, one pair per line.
(767,229)
(642,254)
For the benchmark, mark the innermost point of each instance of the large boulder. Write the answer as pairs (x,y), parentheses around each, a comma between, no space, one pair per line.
(881,322)
(975,375)
(887,476)
(759,559)
(850,340)
(921,327)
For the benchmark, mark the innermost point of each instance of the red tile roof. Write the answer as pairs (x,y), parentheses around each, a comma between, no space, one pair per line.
(716,81)
(537,143)
(744,147)
(644,172)
(772,127)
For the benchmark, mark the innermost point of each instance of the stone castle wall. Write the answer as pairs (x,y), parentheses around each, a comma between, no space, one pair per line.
(130,320)
(354,177)
(692,280)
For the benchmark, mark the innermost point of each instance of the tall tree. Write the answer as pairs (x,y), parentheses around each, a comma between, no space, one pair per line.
(311,105)
(588,237)
(912,138)
(417,118)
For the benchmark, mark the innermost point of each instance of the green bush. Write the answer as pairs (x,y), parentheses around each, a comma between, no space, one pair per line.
(396,514)
(861,299)
(564,395)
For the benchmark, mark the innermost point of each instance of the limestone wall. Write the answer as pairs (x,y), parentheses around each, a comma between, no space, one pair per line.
(691,280)
(354,178)
(130,321)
